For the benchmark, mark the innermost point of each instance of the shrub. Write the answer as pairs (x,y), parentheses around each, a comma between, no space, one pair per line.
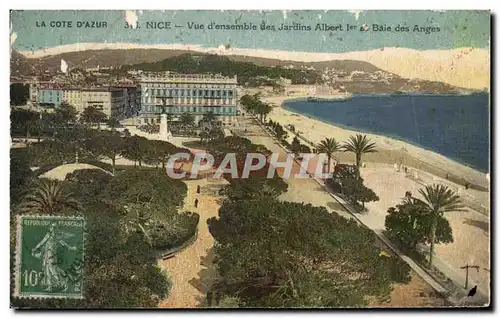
(174,230)
(142,185)
(87,183)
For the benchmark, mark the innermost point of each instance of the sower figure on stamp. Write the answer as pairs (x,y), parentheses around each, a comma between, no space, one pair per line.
(53,275)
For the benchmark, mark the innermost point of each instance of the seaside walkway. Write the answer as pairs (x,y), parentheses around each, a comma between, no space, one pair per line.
(374,219)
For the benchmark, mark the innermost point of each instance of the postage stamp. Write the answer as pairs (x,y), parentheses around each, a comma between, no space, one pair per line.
(49,258)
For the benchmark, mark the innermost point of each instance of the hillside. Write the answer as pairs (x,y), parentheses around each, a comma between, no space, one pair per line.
(352,76)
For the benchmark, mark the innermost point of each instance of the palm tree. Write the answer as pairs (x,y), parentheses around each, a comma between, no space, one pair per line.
(438,199)
(359,145)
(48,197)
(328,146)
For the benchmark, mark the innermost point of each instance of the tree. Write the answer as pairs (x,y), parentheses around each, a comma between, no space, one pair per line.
(75,139)
(281,134)
(49,197)
(121,269)
(19,94)
(410,224)
(135,148)
(86,184)
(359,145)
(282,254)
(107,144)
(25,121)
(249,102)
(328,146)
(20,173)
(345,180)
(255,187)
(203,136)
(113,123)
(186,120)
(209,118)
(295,146)
(438,199)
(94,116)
(145,186)
(65,115)
(159,151)
(305,149)
(215,133)
(262,109)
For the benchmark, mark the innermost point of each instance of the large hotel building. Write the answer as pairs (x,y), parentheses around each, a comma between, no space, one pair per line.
(149,95)
(183,93)
(118,101)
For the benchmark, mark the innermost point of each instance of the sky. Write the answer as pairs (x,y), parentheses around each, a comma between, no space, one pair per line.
(447,29)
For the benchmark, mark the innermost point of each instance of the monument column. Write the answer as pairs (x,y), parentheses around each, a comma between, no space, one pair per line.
(164,133)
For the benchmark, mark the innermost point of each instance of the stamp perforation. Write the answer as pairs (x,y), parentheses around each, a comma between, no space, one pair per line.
(18,257)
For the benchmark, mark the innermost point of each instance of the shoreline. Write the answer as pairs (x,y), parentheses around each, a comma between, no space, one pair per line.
(390,148)
(390,136)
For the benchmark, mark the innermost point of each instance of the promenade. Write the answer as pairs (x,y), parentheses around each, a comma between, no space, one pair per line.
(419,292)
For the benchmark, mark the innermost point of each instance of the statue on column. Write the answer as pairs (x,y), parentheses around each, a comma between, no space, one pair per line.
(165,134)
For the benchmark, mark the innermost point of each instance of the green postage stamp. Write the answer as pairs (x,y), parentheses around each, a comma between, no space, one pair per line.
(49,256)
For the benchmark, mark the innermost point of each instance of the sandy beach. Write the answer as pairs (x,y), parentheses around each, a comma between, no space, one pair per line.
(470,227)
(390,150)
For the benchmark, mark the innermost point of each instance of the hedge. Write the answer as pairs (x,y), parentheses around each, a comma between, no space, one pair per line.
(166,237)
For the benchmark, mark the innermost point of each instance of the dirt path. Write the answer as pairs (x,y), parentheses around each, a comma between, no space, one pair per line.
(191,270)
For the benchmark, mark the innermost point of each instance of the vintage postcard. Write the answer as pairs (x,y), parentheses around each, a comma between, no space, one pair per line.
(250,159)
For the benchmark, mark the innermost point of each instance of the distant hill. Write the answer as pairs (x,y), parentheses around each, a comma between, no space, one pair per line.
(106,58)
(246,67)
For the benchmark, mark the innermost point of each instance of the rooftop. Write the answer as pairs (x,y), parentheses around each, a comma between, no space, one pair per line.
(187,78)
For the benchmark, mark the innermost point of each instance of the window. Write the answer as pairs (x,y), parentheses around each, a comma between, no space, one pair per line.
(230,94)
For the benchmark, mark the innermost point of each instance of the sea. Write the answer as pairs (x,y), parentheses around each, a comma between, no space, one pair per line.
(456,126)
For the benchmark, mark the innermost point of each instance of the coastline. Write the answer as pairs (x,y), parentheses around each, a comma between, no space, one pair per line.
(391,150)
